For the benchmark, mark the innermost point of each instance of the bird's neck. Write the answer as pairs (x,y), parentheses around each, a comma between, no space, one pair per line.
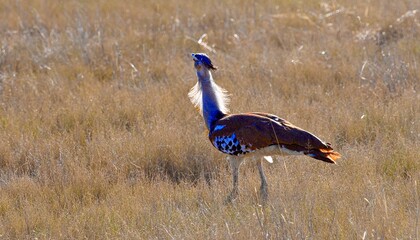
(213,100)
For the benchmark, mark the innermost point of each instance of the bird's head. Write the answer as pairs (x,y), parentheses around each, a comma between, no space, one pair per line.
(201,60)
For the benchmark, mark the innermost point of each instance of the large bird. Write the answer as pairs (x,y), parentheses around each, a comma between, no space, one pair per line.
(256,135)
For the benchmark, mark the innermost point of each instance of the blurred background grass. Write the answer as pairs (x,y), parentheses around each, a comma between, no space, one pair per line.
(99,140)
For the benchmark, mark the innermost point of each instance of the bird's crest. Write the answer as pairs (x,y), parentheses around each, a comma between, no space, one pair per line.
(204,59)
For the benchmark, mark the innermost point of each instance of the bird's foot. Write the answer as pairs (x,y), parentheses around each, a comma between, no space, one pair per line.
(231,197)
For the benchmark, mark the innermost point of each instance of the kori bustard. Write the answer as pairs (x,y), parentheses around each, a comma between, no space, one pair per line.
(256,135)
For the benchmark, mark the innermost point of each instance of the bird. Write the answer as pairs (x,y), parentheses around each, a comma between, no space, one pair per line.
(254,135)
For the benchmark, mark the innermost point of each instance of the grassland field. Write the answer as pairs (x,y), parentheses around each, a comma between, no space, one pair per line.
(98,139)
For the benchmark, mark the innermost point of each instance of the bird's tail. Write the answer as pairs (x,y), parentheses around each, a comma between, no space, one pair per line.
(326,155)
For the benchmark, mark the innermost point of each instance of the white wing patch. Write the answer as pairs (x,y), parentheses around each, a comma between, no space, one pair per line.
(269,159)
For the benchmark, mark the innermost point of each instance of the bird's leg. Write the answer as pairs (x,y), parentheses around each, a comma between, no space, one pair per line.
(235,162)
(264,185)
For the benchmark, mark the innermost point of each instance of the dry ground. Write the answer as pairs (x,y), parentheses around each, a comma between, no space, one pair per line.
(99,140)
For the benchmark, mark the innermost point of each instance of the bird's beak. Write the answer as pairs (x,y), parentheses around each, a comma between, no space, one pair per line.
(193,57)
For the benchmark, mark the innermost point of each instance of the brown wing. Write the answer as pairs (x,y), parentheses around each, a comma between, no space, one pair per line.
(311,139)
(259,130)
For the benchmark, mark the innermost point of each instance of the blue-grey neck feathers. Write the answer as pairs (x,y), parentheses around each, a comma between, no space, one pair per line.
(211,99)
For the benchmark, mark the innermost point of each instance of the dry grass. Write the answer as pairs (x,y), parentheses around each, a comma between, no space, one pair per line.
(98,138)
